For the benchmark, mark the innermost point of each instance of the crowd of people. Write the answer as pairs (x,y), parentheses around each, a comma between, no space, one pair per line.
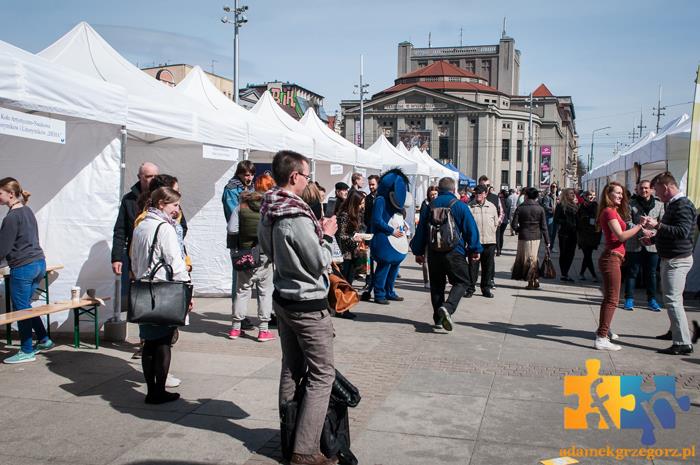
(286,236)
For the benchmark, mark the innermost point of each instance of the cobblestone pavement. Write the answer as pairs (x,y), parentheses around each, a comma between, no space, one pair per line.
(489,392)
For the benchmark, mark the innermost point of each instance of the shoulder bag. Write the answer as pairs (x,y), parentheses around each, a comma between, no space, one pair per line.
(341,295)
(158,302)
(547,270)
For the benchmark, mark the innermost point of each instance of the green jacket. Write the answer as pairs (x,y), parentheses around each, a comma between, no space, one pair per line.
(249,218)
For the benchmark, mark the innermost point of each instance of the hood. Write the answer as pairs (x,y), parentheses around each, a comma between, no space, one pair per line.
(253,199)
(393,186)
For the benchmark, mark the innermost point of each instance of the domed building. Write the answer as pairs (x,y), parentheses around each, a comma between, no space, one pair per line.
(458,116)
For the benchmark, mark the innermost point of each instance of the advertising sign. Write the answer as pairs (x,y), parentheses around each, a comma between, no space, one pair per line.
(358,135)
(216,152)
(417,137)
(16,123)
(336,169)
(545,166)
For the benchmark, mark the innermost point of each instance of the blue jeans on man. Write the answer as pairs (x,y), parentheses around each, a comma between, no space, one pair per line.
(648,262)
(24,281)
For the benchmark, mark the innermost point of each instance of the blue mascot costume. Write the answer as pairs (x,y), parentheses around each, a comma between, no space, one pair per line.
(388,250)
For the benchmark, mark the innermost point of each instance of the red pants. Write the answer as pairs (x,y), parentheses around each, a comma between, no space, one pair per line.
(610,266)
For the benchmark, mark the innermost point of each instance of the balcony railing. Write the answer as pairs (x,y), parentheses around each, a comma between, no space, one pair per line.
(445,51)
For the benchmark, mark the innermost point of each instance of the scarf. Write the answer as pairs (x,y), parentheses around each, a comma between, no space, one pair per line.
(645,205)
(279,203)
(156,214)
(235,183)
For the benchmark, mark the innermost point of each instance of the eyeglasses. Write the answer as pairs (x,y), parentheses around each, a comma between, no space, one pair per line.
(307,176)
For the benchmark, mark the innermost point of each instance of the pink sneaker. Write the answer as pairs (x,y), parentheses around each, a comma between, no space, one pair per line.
(234,333)
(264,336)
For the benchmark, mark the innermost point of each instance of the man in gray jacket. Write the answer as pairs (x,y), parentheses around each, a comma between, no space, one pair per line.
(300,248)
(643,203)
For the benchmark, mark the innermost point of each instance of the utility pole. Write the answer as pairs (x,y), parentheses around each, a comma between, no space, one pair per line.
(658,109)
(212,66)
(362,92)
(239,19)
(641,126)
(460,36)
(429,33)
(591,159)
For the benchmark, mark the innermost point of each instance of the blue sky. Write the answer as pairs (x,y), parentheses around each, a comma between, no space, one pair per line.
(609,56)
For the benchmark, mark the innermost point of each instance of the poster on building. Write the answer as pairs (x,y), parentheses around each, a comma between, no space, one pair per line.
(358,130)
(415,137)
(545,166)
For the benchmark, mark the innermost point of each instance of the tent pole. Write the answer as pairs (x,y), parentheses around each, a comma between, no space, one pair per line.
(313,170)
(116,309)
(246,154)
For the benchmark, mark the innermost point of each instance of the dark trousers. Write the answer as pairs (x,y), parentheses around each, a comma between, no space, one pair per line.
(587,262)
(610,266)
(648,262)
(567,250)
(442,267)
(499,236)
(348,270)
(487,262)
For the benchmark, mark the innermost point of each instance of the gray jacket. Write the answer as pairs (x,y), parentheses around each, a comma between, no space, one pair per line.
(633,244)
(301,263)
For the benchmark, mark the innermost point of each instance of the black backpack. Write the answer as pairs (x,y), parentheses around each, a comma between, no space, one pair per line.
(443,231)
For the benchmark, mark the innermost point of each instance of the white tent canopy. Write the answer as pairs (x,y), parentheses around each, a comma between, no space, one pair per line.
(173,131)
(262,134)
(74,184)
(357,156)
(153,108)
(436,169)
(393,158)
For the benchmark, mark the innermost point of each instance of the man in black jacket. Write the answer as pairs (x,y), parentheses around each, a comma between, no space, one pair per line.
(128,211)
(372,183)
(673,236)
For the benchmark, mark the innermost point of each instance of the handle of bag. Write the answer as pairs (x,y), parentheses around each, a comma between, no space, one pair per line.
(161,263)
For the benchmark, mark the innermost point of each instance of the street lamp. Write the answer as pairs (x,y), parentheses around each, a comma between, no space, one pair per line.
(360,89)
(590,159)
(239,19)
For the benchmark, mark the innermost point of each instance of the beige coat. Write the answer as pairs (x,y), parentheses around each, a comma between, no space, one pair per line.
(486,218)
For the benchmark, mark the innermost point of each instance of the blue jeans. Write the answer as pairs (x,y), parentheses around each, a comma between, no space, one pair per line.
(384,279)
(551,230)
(24,280)
(648,261)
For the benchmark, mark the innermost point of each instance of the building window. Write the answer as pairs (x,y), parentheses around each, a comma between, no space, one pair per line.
(455,62)
(505,175)
(506,125)
(518,178)
(422,64)
(469,65)
(519,150)
(521,126)
(505,150)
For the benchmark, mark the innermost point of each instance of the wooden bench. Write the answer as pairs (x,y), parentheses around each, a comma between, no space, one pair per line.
(85,306)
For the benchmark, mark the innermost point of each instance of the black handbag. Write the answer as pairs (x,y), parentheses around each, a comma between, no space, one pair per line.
(157,302)
(246,259)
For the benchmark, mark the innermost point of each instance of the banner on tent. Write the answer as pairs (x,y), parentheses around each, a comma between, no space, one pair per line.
(16,123)
(415,137)
(215,152)
(336,169)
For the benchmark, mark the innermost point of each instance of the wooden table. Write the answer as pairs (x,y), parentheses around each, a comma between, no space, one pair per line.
(5,273)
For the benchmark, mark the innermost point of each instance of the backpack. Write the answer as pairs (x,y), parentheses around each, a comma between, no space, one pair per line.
(443,232)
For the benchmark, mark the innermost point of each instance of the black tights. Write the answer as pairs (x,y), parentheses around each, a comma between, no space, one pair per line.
(587,262)
(155,360)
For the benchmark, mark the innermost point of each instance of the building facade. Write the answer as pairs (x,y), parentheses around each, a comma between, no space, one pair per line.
(459,117)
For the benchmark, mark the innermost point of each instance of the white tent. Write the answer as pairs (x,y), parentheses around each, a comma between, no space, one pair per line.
(176,133)
(74,182)
(436,169)
(263,135)
(392,157)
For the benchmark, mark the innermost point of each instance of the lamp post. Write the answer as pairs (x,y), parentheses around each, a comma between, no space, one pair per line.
(360,89)
(239,19)
(590,159)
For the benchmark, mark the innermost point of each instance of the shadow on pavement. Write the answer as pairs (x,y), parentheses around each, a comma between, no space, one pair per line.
(123,395)
(559,300)
(547,332)
(420,326)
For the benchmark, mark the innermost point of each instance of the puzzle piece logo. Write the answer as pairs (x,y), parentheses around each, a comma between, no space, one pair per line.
(621,402)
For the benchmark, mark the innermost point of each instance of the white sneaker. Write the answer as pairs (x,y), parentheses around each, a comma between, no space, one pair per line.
(612,336)
(172,382)
(603,343)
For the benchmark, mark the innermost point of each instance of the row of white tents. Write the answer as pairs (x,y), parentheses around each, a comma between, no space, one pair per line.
(652,154)
(117,117)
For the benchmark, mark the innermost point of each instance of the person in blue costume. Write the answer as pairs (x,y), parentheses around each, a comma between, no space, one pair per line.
(389,244)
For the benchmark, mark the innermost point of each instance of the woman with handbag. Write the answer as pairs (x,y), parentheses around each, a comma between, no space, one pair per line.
(565,219)
(530,222)
(158,226)
(257,271)
(350,216)
(613,214)
(19,245)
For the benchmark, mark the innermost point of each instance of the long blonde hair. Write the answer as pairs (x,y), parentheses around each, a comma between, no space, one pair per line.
(12,186)
(564,199)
